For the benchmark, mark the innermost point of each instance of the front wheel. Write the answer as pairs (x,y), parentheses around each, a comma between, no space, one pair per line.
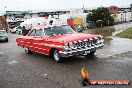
(28,51)
(6,40)
(56,56)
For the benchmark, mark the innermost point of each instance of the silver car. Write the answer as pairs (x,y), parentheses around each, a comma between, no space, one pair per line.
(3,36)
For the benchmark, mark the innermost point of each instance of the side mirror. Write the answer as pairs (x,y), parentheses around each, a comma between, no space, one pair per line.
(43,37)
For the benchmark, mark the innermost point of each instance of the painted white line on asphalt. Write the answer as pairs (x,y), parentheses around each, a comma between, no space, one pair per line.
(13,62)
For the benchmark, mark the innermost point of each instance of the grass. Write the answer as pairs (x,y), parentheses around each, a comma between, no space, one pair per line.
(126,33)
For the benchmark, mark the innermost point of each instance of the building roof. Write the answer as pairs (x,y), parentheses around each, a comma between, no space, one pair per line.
(113,9)
(18,12)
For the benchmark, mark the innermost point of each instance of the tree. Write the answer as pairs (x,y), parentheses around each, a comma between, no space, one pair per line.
(3,23)
(100,17)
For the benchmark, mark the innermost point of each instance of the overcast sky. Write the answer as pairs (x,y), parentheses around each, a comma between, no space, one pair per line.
(58,4)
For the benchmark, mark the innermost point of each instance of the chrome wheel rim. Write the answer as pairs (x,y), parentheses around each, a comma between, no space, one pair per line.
(26,49)
(56,55)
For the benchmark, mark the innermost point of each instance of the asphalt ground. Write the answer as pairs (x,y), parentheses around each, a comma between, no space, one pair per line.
(20,70)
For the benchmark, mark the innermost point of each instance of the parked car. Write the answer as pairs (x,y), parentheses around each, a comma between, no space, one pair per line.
(12,30)
(3,36)
(17,29)
(59,41)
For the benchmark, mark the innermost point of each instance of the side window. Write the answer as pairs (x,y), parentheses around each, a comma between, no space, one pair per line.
(33,33)
(51,31)
(39,32)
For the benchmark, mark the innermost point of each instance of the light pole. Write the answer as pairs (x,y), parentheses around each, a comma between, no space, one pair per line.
(121,17)
(131,11)
(125,15)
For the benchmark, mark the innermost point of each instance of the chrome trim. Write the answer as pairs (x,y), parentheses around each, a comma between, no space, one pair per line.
(40,52)
(40,48)
(45,49)
(42,44)
(35,43)
(83,43)
(28,42)
(81,49)
(35,47)
(52,45)
(30,46)
(88,49)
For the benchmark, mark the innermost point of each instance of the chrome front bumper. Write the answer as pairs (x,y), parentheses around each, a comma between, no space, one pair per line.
(83,51)
(3,39)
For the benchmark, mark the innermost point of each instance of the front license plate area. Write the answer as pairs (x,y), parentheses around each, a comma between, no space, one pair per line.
(94,49)
(87,52)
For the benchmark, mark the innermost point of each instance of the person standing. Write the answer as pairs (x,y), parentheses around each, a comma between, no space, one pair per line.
(24,31)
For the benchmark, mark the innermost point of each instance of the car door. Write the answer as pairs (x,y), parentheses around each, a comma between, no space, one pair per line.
(38,41)
(29,39)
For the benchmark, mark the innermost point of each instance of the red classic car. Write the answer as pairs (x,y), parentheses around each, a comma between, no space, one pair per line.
(59,41)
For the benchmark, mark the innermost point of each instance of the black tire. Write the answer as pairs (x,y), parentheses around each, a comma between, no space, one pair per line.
(56,56)
(19,33)
(90,54)
(28,51)
(7,40)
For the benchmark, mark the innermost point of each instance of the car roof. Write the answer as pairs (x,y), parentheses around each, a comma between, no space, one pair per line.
(45,26)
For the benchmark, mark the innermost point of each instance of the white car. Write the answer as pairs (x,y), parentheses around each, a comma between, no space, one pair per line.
(17,29)
(3,36)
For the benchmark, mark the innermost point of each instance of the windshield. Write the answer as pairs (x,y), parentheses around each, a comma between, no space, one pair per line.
(51,31)
(18,27)
(2,33)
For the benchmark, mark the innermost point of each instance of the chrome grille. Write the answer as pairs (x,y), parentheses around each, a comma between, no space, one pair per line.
(83,44)
(95,40)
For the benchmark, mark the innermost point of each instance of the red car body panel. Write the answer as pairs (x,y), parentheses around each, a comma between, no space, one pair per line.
(44,44)
(37,43)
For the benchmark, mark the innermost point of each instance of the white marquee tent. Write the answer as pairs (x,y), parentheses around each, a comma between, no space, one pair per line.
(29,23)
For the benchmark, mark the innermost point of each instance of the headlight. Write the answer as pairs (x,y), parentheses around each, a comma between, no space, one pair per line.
(87,42)
(81,43)
(66,47)
(75,45)
(71,45)
(100,40)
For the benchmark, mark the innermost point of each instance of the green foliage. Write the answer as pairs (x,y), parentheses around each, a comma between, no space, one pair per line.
(99,23)
(100,16)
(125,34)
